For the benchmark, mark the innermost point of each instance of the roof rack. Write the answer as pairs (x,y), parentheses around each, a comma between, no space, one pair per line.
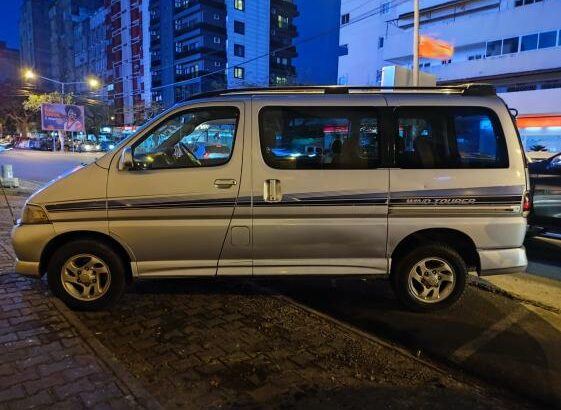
(471,89)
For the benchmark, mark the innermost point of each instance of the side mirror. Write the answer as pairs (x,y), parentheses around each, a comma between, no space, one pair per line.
(126,162)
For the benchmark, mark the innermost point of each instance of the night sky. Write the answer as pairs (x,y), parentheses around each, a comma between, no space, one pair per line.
(317,59)
(9,21)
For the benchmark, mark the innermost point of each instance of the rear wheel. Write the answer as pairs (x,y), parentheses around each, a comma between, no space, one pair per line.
(430,277)
(86,275)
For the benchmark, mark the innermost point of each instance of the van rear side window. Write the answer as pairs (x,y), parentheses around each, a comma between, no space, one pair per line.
(438,137)
(320,137)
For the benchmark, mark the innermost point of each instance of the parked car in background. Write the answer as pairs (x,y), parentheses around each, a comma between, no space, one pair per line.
(545,182)
(89,146)
(44,143)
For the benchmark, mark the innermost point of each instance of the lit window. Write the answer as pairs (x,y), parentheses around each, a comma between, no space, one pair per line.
(217,16)
(217,40)
(239,72)
(282,21)
(345,18)
(239,5)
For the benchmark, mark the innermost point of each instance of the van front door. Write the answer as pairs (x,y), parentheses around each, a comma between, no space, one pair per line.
(319,189)
(173,208)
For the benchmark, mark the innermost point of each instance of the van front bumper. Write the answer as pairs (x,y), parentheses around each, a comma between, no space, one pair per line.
(28,242)
(503,261)
(29,269)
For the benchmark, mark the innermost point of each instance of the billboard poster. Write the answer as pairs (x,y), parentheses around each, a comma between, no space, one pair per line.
(62,117)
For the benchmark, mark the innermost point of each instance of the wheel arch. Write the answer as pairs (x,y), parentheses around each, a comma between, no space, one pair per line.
(458,240)
(66,237)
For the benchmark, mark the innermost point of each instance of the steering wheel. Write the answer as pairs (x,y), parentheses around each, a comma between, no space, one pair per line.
(187,152)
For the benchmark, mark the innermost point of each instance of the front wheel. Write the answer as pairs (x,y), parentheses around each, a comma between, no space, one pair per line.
(86,275)
(430,278)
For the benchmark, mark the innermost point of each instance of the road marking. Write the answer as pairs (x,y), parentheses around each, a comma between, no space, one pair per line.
(467,350)
(551,318)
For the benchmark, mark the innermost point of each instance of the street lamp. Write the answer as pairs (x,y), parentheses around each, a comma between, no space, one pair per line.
(29,74)
(92,82)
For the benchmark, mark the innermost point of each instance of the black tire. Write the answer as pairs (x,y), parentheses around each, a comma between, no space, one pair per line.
(403,267)
(99,250)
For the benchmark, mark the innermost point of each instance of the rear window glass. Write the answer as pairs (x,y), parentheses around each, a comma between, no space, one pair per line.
(449,138)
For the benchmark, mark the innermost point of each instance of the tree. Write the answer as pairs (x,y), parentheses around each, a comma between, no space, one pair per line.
(34,101)
(97,116)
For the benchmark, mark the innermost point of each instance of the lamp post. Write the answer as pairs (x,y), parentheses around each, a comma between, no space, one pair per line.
(92,82)
(415,43)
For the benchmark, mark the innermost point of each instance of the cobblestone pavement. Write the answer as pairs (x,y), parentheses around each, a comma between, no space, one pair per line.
(44,361)
(205,344)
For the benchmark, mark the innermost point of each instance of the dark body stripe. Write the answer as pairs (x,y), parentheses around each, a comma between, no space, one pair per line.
(452,197)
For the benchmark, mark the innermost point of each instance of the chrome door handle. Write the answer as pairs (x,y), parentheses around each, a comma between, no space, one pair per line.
(272,190)
(225,183)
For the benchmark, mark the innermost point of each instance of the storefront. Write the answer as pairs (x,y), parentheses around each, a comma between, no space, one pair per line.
(541,135)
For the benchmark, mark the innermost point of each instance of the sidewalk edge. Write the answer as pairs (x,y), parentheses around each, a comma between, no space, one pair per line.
(108,358)
(482,284)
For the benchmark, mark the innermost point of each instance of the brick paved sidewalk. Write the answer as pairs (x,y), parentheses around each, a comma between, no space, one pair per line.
(204,344)
(44,360)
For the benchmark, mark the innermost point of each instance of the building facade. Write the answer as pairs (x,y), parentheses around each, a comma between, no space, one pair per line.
(34,35)
(203,45)
(69,26)
(9,64)
(513,44)
(126,23)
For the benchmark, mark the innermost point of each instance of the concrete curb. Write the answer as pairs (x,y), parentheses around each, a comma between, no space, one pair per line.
(489,287)
(108,358)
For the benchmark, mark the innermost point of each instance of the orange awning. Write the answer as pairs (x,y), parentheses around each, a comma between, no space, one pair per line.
(433,48)
(544,121)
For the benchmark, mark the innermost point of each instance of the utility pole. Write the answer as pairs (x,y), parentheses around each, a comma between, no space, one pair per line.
(415,43)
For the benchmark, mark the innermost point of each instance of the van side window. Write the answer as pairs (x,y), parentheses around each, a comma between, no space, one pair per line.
(195,138)
(437,137)
(319,137)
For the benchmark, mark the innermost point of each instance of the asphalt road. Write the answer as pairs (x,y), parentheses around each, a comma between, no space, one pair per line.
(43,166)
(490,336)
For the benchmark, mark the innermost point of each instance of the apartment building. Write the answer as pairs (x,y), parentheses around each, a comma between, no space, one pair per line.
(202,45)
(127,85)
(35,35)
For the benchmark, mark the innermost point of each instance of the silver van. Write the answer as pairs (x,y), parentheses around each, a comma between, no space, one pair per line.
(423,185)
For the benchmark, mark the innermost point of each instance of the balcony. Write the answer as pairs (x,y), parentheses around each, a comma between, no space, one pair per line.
(192,3)
(285,7)
(190,76)
(200,26)
(201,50)
(281,69)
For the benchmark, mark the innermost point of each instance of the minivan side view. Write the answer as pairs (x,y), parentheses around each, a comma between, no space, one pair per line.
(422,184)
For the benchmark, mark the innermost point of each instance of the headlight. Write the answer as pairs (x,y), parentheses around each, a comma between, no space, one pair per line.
(33,214)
